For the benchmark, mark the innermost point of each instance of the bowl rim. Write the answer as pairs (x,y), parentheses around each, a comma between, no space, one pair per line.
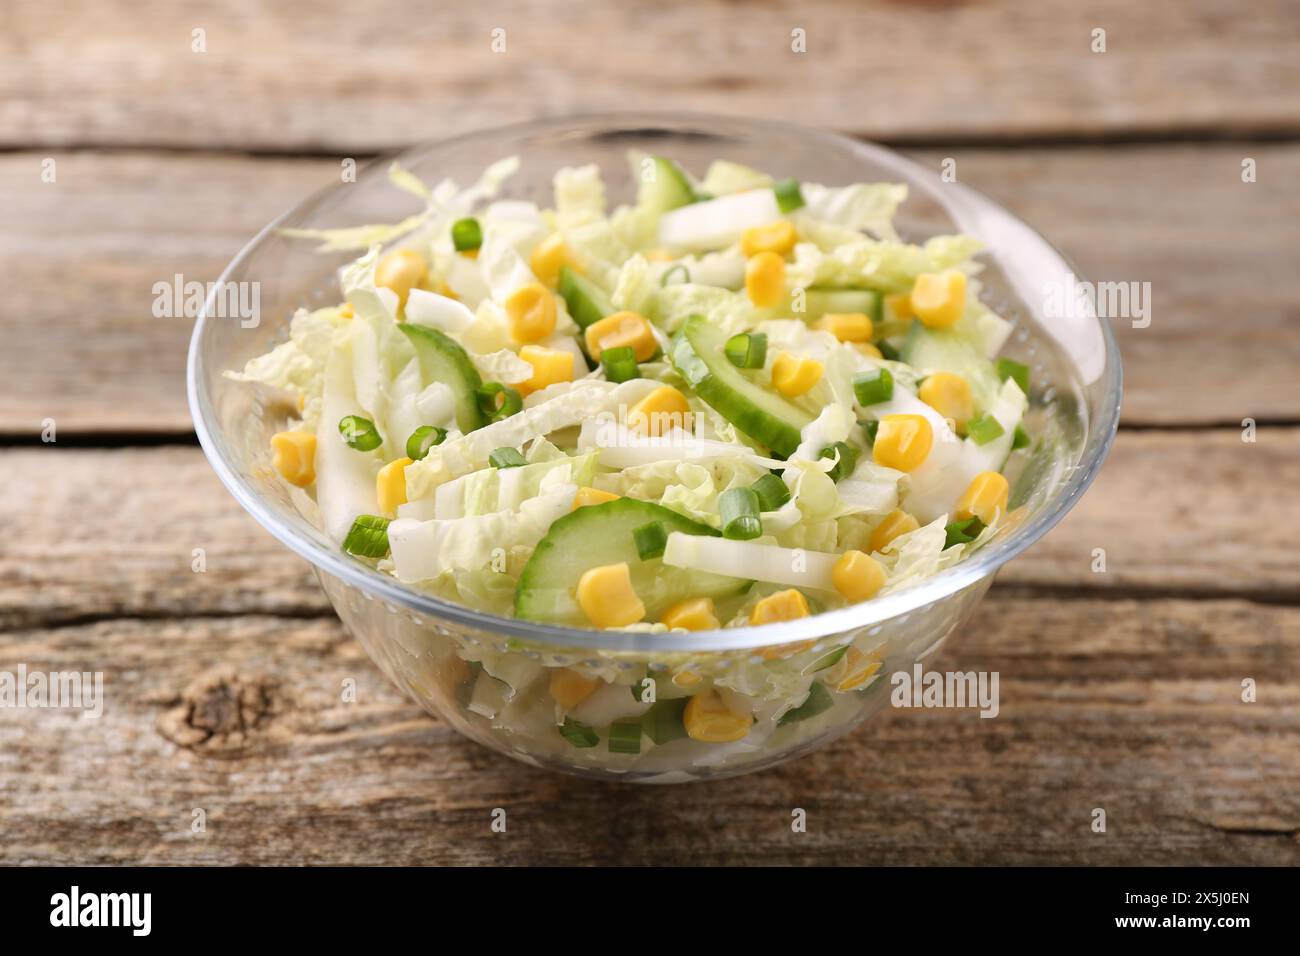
(376,585)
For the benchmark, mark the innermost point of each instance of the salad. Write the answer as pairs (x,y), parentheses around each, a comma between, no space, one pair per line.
(739,400)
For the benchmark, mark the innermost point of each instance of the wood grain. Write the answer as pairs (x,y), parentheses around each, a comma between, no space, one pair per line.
(331,77)
(85,349)
(1132,705)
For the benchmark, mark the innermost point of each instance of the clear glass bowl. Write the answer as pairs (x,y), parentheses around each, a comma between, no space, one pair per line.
(489,676)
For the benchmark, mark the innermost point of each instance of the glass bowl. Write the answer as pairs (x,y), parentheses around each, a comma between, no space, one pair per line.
(490,677)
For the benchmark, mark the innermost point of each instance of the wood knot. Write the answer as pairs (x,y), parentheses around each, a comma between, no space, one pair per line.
(221,712)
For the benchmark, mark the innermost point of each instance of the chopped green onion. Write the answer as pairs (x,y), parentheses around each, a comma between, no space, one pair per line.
(359,433)
(747,349)
(1010,368)
(620,364)
(506,458)
(466,234)
(1020,439)
(848,459)
(625,737)
(962,532)
(772,492)
(580,735)
(651,540)
(887,351)
(740,515)
(368,537)
(664,722)
(498,401)
(827,660)
(819,701)
(870,428)
(422,439)
(789,196)
(984,429)
(874,387)
(663,279)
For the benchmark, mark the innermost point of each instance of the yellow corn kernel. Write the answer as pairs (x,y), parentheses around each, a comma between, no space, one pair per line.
(896,523)
(622,330)
(660,412)
(549,366)
(592,496)
(345,310)
(858,669)
(695,614)
(899,307)
(765,279)
(778,237)
(793,375)
(866,348)
(607,597)
(939,298)
(302,402)
(847,326)
(569,688)
(401,270)
(445,290)
(390,485)
(949,395)
(551,253)
(686,678)
(530,313)
(295,457)
(903,442)
(785,605)
(985,498)
(708,718)
(857,576)
(659,254)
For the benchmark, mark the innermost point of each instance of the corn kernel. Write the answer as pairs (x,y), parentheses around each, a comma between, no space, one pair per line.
(390,485)
(896,523)
(765,280)
(795,375)
(778,237)
(592,496)
(899,307)
(708,718)
(530,313)
(445,290)
(607,597)
(345,310)
(939,299)
(847,326)
(949,395)
(622,330)
(695,614)
(569,688)
(659,254)
(401,270)
(549,256)
(659,412)
(858,669)
(903,442)
(686,678)
(549,366)
(857,576)
(985,498)
(869,350)
(295,457)
(785,605)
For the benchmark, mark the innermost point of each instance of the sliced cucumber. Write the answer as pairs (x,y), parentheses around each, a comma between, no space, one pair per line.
(602,534)
(668,188)
(587,301)
(941,350)
(698,355)
(443,360)
(821,301)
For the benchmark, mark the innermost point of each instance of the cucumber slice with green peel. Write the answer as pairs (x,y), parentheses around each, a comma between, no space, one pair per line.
(820,301)
(587,301)
(667,187)
(942,350)
(698,354)
(443,360)
(603,534)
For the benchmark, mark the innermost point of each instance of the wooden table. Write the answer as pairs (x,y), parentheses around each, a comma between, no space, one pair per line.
(1120,690)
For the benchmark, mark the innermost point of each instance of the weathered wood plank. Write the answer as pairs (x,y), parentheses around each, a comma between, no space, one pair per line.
(85,349)
(113,533)
(327,78)
(1132,706)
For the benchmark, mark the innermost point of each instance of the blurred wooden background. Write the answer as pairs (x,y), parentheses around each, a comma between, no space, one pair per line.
(1119,690)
